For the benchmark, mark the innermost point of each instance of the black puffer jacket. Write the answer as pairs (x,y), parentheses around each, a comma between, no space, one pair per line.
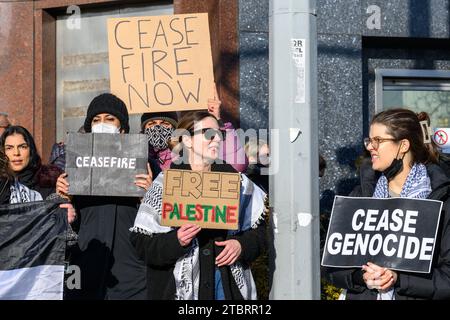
(436,284)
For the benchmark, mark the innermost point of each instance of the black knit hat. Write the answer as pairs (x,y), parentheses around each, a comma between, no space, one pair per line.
(170,117)
(107,103)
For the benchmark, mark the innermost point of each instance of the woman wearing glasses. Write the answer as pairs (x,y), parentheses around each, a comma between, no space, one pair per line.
(190,263)
(409,169)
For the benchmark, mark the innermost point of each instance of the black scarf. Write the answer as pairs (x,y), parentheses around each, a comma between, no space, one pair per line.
(27,177)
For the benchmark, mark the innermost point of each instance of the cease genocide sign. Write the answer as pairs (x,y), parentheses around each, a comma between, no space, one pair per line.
(161,63)
(208,199)
(396,233)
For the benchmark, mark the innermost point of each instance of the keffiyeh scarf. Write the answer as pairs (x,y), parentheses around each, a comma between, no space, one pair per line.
(187,269)
(21,193)
(417,185)
(158,137)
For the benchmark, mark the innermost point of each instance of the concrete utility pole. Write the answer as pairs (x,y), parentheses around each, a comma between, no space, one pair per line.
(294,186)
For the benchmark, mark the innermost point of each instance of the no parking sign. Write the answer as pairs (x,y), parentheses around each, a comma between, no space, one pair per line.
(440,137)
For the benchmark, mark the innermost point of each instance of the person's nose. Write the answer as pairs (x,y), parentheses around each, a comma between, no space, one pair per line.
(370,147)
(217,137)
(16,151)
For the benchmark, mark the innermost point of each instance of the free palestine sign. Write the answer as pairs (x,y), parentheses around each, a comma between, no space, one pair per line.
(208,199)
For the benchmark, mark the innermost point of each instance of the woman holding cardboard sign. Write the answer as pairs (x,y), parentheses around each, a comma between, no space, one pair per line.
(110,267)
(158,126)
(191,262)
(409,169)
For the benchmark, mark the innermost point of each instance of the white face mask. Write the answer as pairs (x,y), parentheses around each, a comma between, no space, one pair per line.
(105,128)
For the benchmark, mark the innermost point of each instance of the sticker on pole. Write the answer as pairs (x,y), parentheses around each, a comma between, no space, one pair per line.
(440,137)
(298,49)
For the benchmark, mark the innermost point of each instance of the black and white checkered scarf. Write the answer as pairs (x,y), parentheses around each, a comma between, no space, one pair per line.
(21,193)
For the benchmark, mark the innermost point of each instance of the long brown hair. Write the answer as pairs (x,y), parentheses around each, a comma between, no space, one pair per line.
(405,124)
(5,171)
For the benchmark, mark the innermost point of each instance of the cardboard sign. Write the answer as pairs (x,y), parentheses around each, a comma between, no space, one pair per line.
(396,233)
(208,199)
(161,63)
(105,164)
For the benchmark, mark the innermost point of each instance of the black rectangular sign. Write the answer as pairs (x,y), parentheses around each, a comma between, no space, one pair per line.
(105,164)
(395,233)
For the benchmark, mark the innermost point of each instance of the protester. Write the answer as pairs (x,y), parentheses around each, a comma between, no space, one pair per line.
(368,177)
(232,152)
(258,158)
(58,153)
(189,262)
(29,180)
(257,151)
(158,126)
(110,267)
(409,170)
(4,122)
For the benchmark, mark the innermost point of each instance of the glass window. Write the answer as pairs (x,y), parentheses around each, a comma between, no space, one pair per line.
(82,70)
(432,96)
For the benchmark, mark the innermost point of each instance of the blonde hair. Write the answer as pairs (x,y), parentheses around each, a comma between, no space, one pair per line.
(252,149)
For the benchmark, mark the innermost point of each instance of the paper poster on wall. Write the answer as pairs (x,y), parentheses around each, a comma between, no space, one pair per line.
(161,63)
(298,49)
(208,199)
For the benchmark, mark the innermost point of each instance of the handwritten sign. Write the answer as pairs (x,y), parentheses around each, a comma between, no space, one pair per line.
(161,63)
(208,199)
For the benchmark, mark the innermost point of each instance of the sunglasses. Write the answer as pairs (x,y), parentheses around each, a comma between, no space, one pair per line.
(210,133)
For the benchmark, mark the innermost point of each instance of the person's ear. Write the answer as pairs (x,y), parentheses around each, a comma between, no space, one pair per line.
(405,146)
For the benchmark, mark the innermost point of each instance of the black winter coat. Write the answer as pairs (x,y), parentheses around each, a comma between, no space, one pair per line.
(161,251)
(110,267)
(410,286)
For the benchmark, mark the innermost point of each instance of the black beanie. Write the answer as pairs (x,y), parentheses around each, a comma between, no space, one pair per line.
(107,103)
(170,117)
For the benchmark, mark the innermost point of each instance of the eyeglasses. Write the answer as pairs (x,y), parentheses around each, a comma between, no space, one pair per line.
(210,133)
(375,142)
